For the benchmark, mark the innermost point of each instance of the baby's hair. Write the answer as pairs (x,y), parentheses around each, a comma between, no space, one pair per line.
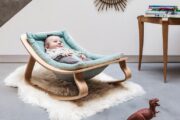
(46,44)
(52,35)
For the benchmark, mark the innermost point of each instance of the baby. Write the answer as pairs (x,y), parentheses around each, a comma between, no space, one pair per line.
(57,51)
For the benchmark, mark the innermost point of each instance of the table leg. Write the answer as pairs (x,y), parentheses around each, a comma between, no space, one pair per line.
(141,41)
(165,46)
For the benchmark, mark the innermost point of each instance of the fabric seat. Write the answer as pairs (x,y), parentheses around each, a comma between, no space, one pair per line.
(34,43)
(37,42)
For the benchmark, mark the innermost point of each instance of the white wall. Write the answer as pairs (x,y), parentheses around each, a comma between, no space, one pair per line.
(100,32)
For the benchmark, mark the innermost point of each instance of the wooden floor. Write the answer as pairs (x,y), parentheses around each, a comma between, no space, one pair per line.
(150,78)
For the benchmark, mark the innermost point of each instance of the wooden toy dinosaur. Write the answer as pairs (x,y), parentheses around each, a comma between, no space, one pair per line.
(146,113)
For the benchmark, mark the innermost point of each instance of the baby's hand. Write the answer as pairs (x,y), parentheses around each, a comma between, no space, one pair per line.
(82,56)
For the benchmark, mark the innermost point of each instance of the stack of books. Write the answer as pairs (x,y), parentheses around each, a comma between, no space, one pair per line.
(163,11)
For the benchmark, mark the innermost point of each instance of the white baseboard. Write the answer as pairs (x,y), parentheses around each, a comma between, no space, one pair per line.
(13,58)
(153,58)
(131,58)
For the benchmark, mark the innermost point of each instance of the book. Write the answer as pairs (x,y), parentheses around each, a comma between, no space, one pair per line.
(154,15)
(163,6)
(164,11)
(155,12)
(162,15)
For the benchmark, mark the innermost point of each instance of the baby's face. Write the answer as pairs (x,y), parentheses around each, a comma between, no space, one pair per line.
(53,42)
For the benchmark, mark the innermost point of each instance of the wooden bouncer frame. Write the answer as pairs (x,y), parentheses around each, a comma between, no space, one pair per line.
(78,74)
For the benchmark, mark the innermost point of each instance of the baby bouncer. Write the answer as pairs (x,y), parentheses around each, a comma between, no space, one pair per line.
(79,72)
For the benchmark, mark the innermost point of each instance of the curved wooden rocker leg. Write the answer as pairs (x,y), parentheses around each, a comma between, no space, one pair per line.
(29,68)
(81,84)
(126,71)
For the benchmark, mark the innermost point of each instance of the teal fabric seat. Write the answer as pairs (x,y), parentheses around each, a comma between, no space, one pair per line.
(36,40)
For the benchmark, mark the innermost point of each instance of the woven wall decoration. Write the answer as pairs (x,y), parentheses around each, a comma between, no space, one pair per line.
(109,4)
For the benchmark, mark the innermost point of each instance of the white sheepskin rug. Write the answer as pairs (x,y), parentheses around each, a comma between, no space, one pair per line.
(68,110)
